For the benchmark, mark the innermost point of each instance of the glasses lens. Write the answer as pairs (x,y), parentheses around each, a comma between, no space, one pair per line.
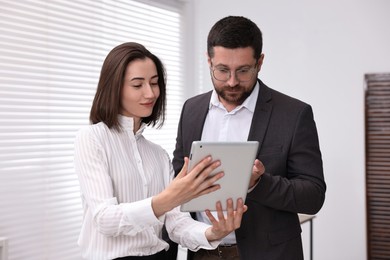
(221,74)
(244,74)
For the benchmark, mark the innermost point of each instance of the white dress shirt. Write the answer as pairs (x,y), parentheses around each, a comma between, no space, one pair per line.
(232,126)
(119,172)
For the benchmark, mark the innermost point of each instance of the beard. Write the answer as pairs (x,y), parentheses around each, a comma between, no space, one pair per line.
(234,95)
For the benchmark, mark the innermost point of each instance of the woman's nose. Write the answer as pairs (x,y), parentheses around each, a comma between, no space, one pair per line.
(148,91)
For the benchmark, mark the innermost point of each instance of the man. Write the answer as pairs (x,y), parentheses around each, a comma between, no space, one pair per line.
(287,176)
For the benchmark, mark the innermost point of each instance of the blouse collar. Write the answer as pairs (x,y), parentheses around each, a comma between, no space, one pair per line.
(127,124)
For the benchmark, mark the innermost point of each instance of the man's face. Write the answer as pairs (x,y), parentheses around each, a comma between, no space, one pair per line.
(234,74)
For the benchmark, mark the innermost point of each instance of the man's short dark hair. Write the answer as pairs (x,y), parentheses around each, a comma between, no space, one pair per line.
(235,32)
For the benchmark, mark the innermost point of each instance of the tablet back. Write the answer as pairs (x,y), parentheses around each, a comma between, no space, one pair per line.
(237,160)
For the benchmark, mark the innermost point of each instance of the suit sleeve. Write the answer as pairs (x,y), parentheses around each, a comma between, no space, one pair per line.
(190,127)
(178,153)
(294,181)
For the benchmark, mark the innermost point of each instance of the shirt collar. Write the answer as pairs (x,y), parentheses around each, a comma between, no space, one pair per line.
(249,103)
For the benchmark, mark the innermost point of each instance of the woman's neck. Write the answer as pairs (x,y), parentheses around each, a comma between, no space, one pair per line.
(137,124)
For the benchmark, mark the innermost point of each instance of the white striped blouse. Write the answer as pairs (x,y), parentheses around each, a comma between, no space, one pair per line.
(119,172)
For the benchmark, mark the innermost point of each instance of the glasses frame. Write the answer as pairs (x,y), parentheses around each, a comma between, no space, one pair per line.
(252,69)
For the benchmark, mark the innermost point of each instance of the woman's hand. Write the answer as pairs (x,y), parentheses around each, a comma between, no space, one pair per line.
(225,225)
(187,185)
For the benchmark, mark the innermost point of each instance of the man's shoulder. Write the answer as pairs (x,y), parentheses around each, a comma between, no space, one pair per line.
(279,97)
(199,99)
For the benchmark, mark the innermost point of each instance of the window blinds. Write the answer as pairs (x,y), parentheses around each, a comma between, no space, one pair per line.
(51,53)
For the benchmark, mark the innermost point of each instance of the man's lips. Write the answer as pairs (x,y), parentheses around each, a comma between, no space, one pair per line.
(232,91)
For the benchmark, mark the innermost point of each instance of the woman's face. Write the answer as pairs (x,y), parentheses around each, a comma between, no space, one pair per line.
(140,89)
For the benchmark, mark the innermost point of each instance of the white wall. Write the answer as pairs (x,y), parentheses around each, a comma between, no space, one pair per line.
(316,51)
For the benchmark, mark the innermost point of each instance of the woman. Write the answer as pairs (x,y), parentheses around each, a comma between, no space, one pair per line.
(126,181)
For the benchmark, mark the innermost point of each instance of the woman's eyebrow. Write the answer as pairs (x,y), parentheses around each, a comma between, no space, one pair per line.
(137,78)
(141,78)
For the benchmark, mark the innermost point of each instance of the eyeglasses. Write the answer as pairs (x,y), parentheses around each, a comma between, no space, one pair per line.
(224,74)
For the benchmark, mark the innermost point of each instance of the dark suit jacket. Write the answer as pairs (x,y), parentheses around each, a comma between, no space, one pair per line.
(293,181)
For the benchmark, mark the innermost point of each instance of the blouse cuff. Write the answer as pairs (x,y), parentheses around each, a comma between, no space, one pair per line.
(201,240)
(141,212)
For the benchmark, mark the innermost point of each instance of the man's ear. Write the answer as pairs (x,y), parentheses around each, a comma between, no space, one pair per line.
(260,62)
(261,59)
(208,59)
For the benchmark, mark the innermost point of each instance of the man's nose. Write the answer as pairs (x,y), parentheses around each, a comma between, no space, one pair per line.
(233,81)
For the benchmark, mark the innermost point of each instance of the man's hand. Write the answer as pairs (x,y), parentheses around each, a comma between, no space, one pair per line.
(257,171)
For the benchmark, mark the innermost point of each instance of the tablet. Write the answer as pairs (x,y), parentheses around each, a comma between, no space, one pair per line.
(237,159)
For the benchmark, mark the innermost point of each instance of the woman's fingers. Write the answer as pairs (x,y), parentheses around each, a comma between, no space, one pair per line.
(200,176)
(224,225)
(208,189)
(183,171)
(197,182)
(220,214)
(199,167)
(230,213)
(204,168)
(240,210)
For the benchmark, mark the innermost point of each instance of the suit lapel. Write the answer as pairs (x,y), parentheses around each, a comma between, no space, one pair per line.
(200,115)
(261,115)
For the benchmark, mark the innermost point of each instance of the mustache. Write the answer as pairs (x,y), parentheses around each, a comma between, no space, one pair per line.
(236,87)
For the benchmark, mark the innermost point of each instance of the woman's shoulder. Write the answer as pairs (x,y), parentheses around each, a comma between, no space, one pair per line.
(95,128)
(93,131)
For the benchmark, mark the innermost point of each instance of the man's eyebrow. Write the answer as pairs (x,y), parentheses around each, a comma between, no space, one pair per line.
(221,66)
